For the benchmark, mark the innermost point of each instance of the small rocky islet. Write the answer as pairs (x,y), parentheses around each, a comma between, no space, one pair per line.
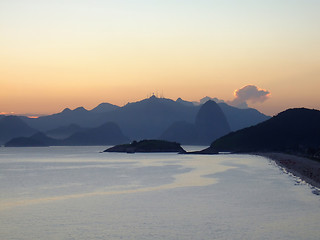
(155,146)
(147,146)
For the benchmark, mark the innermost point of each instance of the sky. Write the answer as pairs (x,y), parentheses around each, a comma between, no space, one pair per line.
(71,53)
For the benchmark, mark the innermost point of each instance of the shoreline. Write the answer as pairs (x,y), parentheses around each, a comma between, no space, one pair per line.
(302,167)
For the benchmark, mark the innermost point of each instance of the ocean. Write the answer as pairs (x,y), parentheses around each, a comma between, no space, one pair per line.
(81,193)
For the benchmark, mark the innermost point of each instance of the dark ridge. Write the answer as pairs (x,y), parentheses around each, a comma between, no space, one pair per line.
(294,130)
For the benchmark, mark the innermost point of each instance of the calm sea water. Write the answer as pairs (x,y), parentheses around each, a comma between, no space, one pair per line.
(79,193)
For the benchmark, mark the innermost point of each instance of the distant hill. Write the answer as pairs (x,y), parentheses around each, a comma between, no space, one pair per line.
(210,123)
(13,126)
(36,140)
(292,130)
(106,134)
(79,116)
(182,132)
(64,131)
(187,103)
(104,107)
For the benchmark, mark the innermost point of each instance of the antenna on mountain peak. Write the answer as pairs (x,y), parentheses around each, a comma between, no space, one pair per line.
(161,95)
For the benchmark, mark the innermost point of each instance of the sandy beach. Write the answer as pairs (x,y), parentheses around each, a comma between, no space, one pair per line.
(304,168)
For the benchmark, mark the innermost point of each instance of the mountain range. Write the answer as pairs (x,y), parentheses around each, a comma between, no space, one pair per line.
(106,134)
(146,119)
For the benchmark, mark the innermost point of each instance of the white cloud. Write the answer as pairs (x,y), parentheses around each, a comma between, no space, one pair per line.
(249,93)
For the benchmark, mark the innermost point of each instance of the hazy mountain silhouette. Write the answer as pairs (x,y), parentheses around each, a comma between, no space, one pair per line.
(148,118)
(242,118)
(79,116)
(210,124)
(64,131)
(182,132)
(106,134)
(292,130)
(187,103)
(145,119)
(236,117)
(13,126)
(38,139)
(25,142)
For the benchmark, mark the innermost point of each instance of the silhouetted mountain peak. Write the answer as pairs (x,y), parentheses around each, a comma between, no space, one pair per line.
(209,113)
(80,109)
(184,102)
(296,113)
(153,97)
(211,122)
(76,110)
(66,110)
(104,107)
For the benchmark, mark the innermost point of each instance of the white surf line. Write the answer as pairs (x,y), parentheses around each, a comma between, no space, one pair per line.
(194,178)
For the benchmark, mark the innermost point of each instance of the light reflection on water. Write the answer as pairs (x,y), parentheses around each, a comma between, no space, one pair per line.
(79,193)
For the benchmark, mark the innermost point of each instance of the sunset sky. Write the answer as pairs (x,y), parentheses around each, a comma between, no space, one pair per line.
(71,53)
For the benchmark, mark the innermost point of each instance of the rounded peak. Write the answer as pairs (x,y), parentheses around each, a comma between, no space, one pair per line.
(104,107)
(209,104)
(152,98)
(66,110)
(296,113)
(80,109)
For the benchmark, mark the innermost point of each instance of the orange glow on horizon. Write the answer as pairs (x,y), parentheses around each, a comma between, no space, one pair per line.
(7,113)
(58,54)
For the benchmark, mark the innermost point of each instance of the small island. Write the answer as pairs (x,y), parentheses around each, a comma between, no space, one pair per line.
(148,146)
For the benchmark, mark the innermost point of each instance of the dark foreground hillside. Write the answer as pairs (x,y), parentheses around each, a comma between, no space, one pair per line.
(294,130)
